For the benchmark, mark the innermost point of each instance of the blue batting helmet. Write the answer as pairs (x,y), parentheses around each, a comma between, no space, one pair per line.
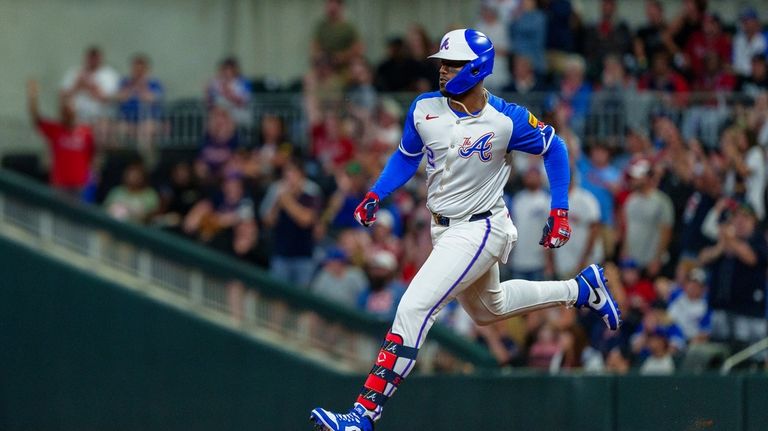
(469,45)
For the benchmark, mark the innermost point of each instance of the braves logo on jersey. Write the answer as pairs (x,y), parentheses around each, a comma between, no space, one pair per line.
(482,146)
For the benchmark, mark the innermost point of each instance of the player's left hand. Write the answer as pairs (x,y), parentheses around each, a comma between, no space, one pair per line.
(557,231)
(365,213)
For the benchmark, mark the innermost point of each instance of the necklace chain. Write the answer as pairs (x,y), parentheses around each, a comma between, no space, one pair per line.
(485,95)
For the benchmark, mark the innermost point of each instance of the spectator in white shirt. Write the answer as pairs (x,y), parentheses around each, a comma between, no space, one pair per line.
(528,205)
(91,87)
(688,307)
(748,42)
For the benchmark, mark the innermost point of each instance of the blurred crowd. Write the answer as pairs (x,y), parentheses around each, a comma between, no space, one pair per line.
(672,200)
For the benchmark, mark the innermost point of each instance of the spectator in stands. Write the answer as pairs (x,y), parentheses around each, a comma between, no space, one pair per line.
(272,150)
(574,93)
(528,35)
(745,171)
(290,209)
(496,29)
(420,46)
(757,81)
(688,307)
(531,203)
(338,280)
(529,87)
(602,179)
(574,352)
(709,41)
(178,194)
(708,186)
(351,186)
(91,87)
(748,42)
(609,36)
(218,147)
(230,91)
(664,79)
(212,219)
(71,145)
(134,199)
(383,134)
(617,362)
(649,38)
(737,272)
(609,111)
(336,40)
(638,289)
(563,32)
(384,288)
(140,96)
(660,361)
(584,245)
(360,93)
(649,217)
(656,321)
(686,23)
(399,71)
(383,234)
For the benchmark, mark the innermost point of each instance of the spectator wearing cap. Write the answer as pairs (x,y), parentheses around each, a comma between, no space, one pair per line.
(737,266)
(338,280)
(655,320)
(748,42)
(688,307)
(648,217)
(384,288)
(660,361)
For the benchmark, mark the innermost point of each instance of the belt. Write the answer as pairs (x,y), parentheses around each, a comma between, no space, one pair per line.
(445,221)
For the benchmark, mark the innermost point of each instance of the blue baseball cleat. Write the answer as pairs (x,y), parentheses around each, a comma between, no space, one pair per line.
(594,293)
(355,420)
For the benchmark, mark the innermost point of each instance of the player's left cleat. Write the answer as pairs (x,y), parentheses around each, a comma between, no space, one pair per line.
(594,293)
(355,420)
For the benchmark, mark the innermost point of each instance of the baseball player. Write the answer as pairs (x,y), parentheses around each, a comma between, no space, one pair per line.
(467,136)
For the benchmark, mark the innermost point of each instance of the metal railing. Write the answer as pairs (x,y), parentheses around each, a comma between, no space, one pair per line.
(603,115)
(184,274)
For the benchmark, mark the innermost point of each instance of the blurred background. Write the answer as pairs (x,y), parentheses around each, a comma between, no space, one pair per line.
(178,181)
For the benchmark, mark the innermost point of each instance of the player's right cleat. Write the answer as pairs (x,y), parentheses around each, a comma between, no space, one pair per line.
(355,420)
(594,293)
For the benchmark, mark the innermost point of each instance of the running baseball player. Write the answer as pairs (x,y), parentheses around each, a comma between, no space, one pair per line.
(467,135)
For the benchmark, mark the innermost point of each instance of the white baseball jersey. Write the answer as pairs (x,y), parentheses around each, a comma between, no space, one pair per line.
(468,160)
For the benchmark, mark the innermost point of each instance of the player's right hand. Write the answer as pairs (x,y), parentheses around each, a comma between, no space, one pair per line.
(557,231)
(365,213)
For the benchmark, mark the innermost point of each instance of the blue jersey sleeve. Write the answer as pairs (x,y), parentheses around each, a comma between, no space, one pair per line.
(404,163)
(531,136)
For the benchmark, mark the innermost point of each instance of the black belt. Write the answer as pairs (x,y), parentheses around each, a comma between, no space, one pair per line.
(445,221)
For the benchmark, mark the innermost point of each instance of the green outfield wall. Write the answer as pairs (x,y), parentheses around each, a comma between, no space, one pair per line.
(81,353)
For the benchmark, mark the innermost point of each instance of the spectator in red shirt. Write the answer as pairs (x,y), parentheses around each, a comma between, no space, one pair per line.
(71,144)
(710,39)
(640,291)
(663,78)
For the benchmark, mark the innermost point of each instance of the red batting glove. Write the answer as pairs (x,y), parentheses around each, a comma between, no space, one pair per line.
(365,213)
(557,231)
